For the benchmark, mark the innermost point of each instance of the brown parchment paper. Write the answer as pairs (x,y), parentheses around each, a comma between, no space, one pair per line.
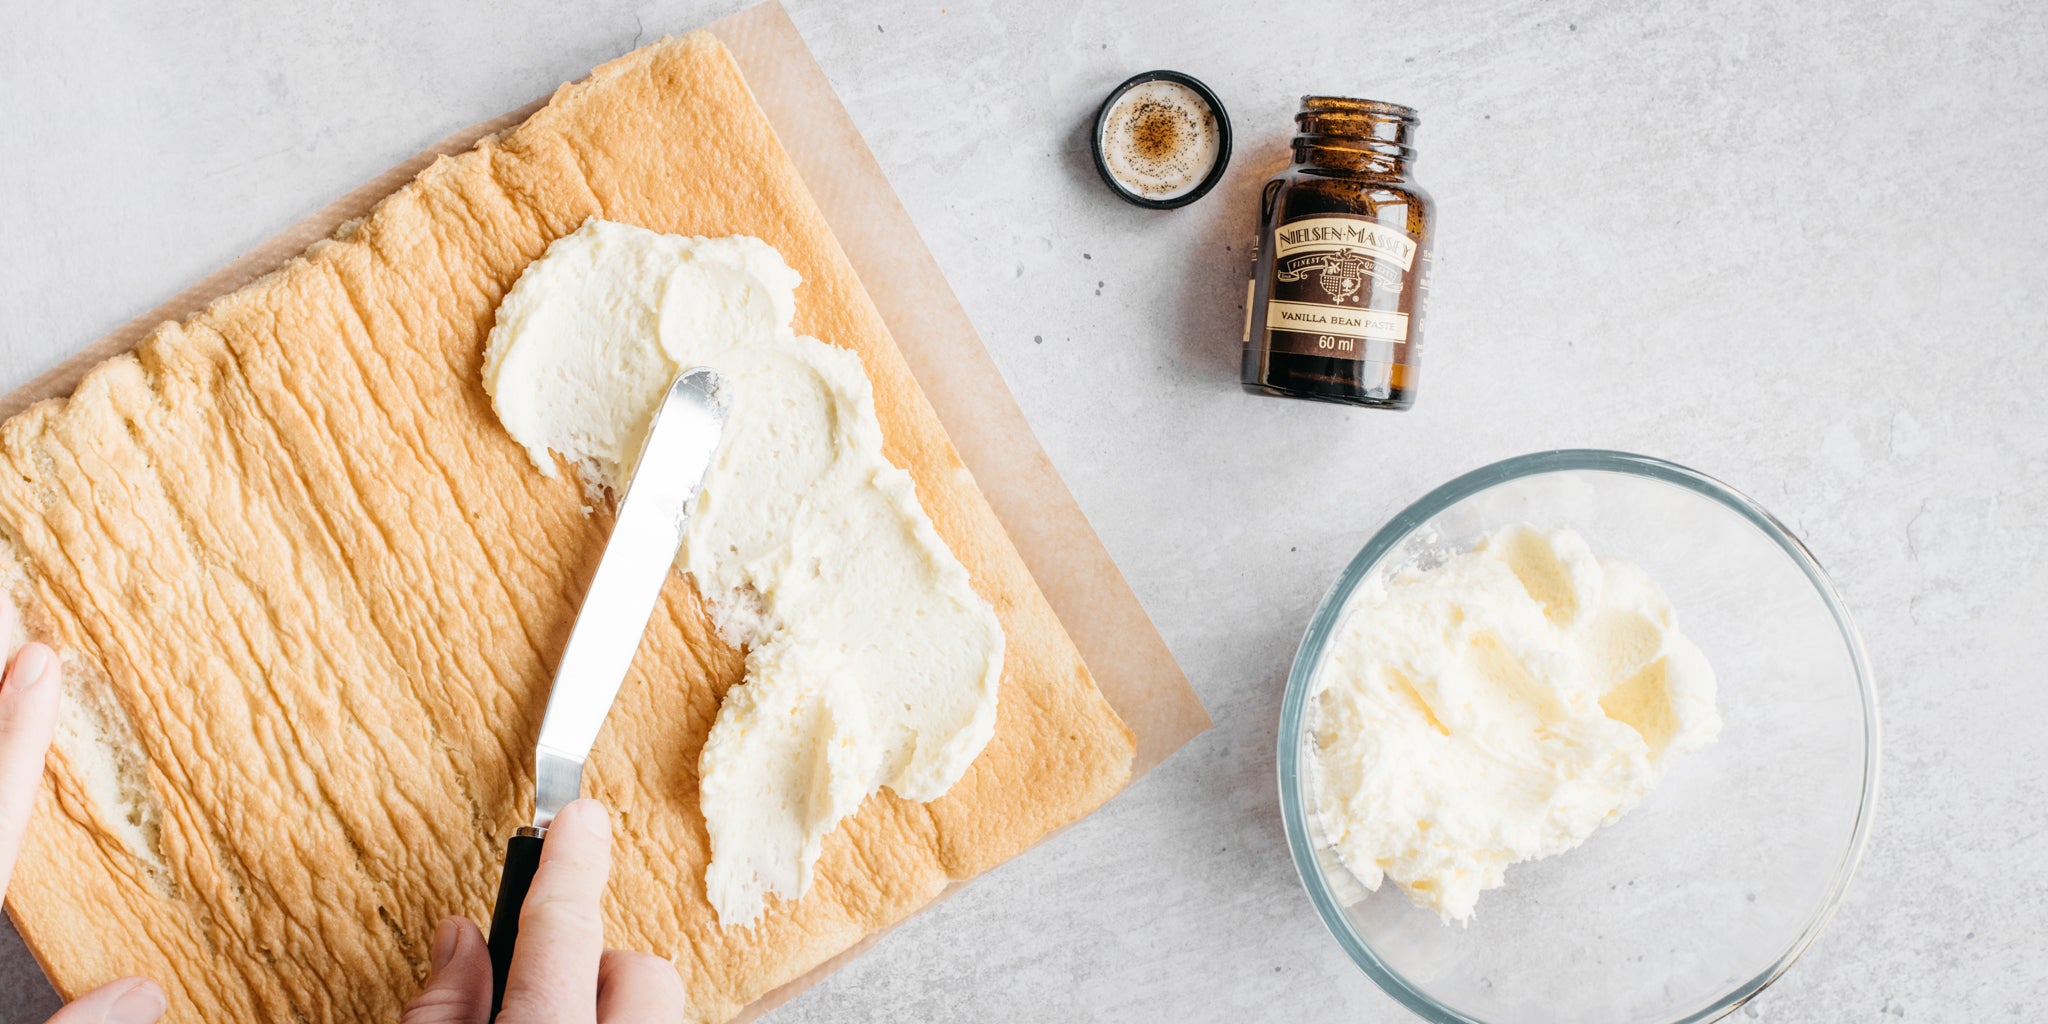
(1130,661)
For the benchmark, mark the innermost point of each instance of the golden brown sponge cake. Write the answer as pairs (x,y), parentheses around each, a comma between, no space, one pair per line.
(311,597)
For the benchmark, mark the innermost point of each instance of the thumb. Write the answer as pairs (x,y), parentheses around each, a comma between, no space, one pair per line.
(128,1001)
(459,988)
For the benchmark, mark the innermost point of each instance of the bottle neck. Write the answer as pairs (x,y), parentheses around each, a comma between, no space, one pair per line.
(1359,137)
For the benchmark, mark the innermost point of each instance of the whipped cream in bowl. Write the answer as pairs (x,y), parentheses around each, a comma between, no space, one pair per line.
(1581,735)
(1498,708)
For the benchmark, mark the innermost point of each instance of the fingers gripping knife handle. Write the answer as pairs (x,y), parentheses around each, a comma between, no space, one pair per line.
(522,857)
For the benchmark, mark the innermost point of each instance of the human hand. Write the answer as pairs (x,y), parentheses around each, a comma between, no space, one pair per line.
(29,692)
(561,973)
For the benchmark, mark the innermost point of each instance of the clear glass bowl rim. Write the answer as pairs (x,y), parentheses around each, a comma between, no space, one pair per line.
(1294,704)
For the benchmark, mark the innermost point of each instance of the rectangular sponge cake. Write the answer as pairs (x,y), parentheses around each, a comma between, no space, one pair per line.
(311,597)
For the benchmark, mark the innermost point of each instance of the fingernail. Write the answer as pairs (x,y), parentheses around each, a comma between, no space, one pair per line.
(446,938)
(585,815)
(142,1004)
(32,664)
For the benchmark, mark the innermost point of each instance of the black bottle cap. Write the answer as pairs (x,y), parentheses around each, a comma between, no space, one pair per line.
(1167,146)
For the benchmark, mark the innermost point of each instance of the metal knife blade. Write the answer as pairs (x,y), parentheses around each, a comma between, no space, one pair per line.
(681,441)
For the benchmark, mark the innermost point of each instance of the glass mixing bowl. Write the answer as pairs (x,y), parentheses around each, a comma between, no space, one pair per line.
(1710,888)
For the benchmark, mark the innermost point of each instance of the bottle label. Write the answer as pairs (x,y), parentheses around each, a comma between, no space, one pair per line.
(1341,288)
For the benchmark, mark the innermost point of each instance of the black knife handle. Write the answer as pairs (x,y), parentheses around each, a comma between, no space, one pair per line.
(522,857)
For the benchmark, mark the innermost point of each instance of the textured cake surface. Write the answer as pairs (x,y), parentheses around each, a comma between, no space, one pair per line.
(311,597)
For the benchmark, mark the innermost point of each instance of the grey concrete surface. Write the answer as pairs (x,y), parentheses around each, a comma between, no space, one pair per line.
(1798,246)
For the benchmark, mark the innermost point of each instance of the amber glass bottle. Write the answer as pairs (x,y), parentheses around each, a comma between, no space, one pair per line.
(1335,306)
